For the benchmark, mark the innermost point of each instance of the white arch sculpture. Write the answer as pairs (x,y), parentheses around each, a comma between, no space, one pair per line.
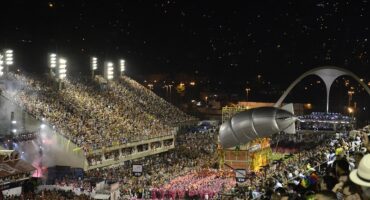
(328,74)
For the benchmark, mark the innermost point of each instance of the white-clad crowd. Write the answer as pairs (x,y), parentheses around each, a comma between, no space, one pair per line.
(93,115)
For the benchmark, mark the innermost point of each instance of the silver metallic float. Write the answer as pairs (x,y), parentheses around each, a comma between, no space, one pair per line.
(256,123)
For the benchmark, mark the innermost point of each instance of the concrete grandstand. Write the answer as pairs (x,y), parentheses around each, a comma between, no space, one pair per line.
(88,124)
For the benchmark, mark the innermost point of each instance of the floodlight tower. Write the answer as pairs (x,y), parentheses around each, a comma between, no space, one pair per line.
(8,59)
(122,67)
(94,66)
(108,71)
(13,124)
(1,66)
(62,71)
(52,62)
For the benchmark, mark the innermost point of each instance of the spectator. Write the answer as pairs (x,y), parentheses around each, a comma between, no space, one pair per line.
(361,176)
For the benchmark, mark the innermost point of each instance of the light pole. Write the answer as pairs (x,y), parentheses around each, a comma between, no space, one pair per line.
(94,66)
(166,87)
(170,86)
(8,59)
(350,94)
(247,90)
(108,71)
(122,66)
(52,63)
(150,85)
(351,114)
(62,71)
(1,65)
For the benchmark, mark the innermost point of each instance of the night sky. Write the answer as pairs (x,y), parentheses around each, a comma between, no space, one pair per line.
(228,40)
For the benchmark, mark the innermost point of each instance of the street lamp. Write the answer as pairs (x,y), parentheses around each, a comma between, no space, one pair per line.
(247,90)
(150,86)
(351,111)
(170,87)
(108,70)
(122,66)
(94,65)
(166,87)
(350,93)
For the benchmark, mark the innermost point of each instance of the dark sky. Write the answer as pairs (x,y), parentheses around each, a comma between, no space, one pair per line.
(227,40)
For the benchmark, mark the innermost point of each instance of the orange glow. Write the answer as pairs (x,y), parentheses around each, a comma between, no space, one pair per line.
(308,106)
(350,110)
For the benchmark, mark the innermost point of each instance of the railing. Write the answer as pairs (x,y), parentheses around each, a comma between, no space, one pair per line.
(130,144)
(133,156)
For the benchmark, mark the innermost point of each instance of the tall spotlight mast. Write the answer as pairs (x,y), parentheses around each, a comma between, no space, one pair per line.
(52,62)
(8,59)
(108,71)
(122,66)
(94,66)
(1,65)
(62,71)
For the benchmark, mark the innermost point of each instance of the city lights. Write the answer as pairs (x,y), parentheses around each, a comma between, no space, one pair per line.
(62,68)
(108,71)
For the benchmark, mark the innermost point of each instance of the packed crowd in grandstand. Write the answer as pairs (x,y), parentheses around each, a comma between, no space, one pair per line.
(319,121)
(93,115)
(322,116)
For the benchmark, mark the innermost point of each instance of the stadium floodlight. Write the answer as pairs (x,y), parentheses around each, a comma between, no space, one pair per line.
(1,65)
(122,66)
(94,63)
(52,60)
(8,57)
(62,68)
(109,71)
